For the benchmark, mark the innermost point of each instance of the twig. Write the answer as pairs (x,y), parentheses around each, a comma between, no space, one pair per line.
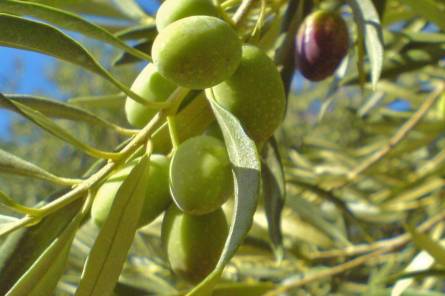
(243,11)
(400,135)
(327,273)
(388,243)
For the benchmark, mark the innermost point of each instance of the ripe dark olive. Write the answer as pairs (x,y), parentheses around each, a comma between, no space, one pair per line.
(254,94)
(322,42)
(173,10)
(151,86)
(157,197)
(193,243)
(197,52)
(200,175)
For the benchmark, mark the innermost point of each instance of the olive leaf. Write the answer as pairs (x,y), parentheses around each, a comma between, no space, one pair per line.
(67,20)
(126,58)
(429,9)
(146,31)
(274,192)
(246,167)
(21,33)
(104,101)
(369,25)
(45,123)
(426,243)
(42,276)
(24,246)
(11,164)
(109,252)
(58,109)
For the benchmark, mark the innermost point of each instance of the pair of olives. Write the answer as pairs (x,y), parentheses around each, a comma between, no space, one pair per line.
(199,178)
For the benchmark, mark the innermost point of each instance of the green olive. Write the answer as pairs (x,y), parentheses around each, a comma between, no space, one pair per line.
(151,86)
(157,197)
(193,243)
(197,52)
(254,94)
(200,175)
(173,10)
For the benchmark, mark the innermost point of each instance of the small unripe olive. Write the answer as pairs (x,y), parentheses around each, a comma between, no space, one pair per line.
(157,196)
(173,10)
(322,43)
(197,52)
(254,94)
(200,175)
(193,243)
(151,86)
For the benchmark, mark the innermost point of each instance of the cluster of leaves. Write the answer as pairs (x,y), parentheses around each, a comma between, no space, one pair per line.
(364,183)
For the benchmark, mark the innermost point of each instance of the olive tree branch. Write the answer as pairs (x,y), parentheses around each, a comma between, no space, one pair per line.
(398,137)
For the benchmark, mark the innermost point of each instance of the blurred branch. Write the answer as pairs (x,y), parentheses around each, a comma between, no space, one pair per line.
(398,137)
(387,243)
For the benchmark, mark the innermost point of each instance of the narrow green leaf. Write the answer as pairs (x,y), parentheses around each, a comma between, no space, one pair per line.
(103,101)
(429,9)
(426,243)
(22,248)
(7,219)
(369,25)
(67,20)
(22,33)
(11,164)
(146,31)
(246,167)
(274,194)
(109,252)
(45,123)
(42,277)
(244,289)
(58,109)
(410,60)
(125,58)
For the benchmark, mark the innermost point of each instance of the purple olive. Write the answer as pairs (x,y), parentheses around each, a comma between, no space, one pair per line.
(322,42)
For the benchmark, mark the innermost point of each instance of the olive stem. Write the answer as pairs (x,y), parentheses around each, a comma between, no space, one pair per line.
(173,131)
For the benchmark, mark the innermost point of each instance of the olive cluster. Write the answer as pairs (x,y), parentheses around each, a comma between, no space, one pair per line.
(197,49)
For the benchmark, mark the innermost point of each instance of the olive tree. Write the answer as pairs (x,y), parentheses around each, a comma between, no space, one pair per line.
(210,171)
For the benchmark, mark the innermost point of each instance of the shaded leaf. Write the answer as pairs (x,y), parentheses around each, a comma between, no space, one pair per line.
(426,243)
(146,31)
(429,9)
(11,164)
(369,24)
(109,252)
(23,247)
(42,276)
(246,167)
(67,21)
(45,123)
(103,101)
(58,109)
(274,193)
(30,35)
(125,58)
